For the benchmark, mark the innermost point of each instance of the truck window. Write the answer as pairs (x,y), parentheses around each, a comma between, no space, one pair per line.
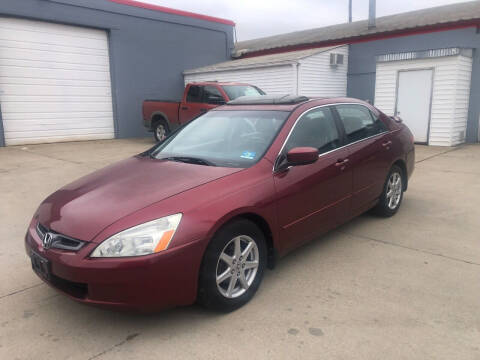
(211,95)
(194,94)
(235,91)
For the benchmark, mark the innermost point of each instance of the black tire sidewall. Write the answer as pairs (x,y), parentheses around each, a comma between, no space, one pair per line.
(382,208)
(208,293)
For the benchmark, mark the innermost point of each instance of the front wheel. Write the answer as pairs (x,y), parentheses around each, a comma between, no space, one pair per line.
(233,266)
(392,194)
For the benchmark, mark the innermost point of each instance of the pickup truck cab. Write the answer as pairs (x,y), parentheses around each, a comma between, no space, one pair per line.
(162,117)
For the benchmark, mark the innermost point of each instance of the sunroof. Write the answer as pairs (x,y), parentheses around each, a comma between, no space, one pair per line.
(268,100)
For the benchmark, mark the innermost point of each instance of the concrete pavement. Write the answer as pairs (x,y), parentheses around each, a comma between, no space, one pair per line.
(407,287)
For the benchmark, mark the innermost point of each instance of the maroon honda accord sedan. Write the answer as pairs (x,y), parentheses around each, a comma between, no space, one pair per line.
(200,216)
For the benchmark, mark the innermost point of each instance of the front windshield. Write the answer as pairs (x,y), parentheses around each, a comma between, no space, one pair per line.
(235,91)
(228,138)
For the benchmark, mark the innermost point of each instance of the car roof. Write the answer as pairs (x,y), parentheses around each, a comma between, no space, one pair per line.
(282,102)
(218,83)
(269,100)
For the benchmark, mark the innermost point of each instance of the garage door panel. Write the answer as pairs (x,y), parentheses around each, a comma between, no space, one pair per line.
(49,28)
(40,73)
(46,48)
(47,90)
(57,124)
(55,57)
(33,37)
(42,116)
(32,99)
(54,82)
(55,132)
(50,64)
(50,139)
(15,107)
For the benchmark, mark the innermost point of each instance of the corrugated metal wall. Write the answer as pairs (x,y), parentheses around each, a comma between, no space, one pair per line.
(451,89)
(317,78)
(273,79)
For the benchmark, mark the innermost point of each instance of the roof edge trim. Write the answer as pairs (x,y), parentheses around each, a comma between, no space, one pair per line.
(167,10)
(241,67)
(245,53)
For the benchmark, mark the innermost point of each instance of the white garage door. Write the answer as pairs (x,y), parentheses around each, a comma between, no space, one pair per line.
(54,82)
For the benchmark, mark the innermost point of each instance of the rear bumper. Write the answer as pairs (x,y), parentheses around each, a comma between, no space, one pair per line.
(147,123)
(144,283)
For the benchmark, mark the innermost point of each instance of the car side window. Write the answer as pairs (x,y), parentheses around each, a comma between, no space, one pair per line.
(316,129)
(194,94)
(211,95)
(359,122)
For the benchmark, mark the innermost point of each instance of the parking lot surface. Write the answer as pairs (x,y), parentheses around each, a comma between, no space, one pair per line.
(406,287)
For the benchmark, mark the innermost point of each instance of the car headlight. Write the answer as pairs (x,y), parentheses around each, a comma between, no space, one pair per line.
(144,239)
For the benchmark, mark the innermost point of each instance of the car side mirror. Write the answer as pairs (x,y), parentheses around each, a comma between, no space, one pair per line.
(302,156)
(396,118)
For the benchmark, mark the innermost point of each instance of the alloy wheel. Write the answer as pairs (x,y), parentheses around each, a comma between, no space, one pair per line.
(394,190)
(237,266)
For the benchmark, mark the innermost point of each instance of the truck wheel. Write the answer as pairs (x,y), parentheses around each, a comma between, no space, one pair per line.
(160,130)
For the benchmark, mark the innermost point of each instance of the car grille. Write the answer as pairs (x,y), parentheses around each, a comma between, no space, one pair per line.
(60,241)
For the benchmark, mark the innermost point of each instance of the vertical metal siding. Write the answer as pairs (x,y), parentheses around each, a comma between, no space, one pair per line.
(273,79)
(317,78)
(462,97)
(451,88)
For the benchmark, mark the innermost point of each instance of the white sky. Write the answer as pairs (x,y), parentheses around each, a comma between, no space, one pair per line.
(258,18)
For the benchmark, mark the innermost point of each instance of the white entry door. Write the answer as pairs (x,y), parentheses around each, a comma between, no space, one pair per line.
(54,82)
(413,101)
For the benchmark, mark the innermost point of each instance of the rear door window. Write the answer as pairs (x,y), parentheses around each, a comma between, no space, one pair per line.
(211,95)
(194,94)
(316,129)
(359,122)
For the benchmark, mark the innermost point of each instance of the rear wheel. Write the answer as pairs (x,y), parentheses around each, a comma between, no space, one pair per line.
(160,130)
(392,194)
(233,266)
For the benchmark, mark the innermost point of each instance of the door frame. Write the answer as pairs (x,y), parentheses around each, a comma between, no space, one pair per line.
(431,96)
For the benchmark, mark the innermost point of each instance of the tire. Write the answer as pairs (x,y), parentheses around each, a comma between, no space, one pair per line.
(224,296)
(160,130)
(387,206)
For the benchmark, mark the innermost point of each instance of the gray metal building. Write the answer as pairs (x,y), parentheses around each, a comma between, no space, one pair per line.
(80,69)
(423,66)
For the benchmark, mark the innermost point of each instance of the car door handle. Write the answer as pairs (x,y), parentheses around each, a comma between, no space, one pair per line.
(184,108)
(341,162)
(387,144)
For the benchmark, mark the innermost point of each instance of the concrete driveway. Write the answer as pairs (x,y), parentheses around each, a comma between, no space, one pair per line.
(407,287)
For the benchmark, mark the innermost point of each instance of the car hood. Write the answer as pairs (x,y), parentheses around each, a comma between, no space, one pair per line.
(85,207)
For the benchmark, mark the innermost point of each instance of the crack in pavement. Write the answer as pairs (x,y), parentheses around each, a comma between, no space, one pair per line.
(19,291)
(409,248)
(439,154)
(127,339)
(50,157)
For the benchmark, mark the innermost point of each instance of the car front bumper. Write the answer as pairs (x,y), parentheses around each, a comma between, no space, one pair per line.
(147,283)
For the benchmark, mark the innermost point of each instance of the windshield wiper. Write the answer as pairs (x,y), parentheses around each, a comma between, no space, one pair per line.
(189,160)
